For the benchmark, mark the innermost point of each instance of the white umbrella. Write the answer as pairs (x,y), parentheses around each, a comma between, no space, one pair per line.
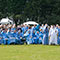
(30,23)
(5,20)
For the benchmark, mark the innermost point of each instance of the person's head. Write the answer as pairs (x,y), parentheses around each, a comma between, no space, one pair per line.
(57,25)
(41,30)
(34,25)
(42,25)
(18,26)
(33,32)
(48,27)
(46,24)
(30,27)
(6,29)
(37,32)
(53,26)
(14,31)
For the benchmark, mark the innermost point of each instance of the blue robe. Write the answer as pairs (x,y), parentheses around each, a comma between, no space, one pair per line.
(29,39)
(45,37)
(23,29)
(58,41)
(5,38)
(12,29)
(37,27)
(26,28)
(20,36)
(34,28)
(35,38)
(40,38)
(12,37)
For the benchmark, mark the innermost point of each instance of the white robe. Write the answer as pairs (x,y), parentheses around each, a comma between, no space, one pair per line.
(53,36)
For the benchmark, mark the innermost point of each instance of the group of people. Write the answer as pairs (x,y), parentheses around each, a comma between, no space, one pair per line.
(36,34)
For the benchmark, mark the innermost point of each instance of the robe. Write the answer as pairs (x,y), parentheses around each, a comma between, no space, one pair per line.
(53,36)
(45,36)
(58,41)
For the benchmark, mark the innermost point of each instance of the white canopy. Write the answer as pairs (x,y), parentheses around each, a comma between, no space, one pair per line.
(5,20)
(30,23)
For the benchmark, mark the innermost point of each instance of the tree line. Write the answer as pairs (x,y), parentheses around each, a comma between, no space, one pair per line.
(41,11)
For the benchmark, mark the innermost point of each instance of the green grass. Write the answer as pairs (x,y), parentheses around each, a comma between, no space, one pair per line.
(29,52)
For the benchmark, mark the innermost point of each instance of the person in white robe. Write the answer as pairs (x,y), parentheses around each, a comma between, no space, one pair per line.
(53,35)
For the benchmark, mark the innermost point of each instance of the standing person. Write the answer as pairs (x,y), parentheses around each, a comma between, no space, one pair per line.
(23,28)
(57,26)
(5,36)
(45,35)
(53,35)
(35,36)
(58,41)
(40,36)
(29,38)
(37,27)
(13,28)
(42,27)
(20,37)
(12,37)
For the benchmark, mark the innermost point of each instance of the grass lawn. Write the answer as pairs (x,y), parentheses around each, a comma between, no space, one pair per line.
(29,52)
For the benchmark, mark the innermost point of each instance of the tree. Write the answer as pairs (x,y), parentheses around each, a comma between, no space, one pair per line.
(41,11)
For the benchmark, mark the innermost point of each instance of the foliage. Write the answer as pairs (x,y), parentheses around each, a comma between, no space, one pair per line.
(41,11)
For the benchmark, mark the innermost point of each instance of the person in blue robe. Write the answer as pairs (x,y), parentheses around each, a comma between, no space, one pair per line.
(12,29)
(20,37)
(29,38)
(34,27)
(26,28)
(12,37)
(40,37)
(5,37)
(23,29)
(45,36)
(35,38)
(58,39)
(37,27)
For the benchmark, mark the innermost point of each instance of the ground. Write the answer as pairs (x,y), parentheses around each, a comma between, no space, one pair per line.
(29,52)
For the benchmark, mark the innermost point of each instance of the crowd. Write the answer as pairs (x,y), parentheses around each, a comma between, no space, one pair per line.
(40,34)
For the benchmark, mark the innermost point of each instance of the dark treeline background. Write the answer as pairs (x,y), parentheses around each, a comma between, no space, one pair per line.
(41,11)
